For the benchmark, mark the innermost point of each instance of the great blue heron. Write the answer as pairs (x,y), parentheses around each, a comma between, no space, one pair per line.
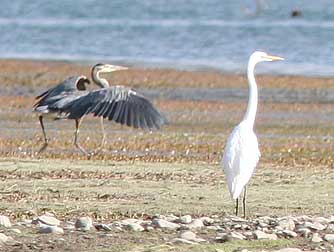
(241,153)
(118,103)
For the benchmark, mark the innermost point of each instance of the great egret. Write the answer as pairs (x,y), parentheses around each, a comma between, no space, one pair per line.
(70,100)
(241,153)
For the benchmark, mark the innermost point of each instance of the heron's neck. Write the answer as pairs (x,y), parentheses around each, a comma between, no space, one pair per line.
(103,83)
(253,95)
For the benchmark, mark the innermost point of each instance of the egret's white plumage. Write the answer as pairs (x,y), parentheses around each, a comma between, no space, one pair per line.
(242,153)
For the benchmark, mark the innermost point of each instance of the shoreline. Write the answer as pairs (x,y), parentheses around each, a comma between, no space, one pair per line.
(41,74)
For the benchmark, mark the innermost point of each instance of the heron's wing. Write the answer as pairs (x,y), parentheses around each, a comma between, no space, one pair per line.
(63,89)
(240,158)
(117,103)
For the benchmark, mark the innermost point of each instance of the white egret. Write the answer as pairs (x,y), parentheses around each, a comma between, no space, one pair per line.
(241,153)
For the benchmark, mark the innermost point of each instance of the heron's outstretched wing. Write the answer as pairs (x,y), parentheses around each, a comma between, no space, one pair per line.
(240,158)
(117,103)
(53,96)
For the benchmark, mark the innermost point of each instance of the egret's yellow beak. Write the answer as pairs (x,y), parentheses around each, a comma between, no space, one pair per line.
(273,58)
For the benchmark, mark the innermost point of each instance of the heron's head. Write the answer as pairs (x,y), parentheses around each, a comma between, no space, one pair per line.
(259,56)
(107,68)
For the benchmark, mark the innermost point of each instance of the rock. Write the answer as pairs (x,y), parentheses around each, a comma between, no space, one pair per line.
(190,236)
(289,233)
(315,225)
(196,223)
(164,224)
(103,227)
(303,231)
(259,235)
(207,221)
(4,238)
(222,237)
(185,219)
(135,227)
(171,218)
(289,250)
(321,220)
(84,223)
(4,221)
(316,238)
(46,229)
(329,238)
(287,224)
(48,220)
(130,221)
(182,241)
(15,230)
(330,227)
(237,236)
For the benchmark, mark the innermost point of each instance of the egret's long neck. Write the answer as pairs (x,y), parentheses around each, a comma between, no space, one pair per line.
(253,95)
(103,83)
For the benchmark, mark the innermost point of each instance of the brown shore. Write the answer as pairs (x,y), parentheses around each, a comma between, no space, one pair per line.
(41,74)
(171,171)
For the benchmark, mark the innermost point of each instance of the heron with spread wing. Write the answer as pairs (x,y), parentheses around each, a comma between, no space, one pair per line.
(117,103)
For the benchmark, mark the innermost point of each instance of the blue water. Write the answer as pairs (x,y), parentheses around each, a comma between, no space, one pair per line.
(186,34)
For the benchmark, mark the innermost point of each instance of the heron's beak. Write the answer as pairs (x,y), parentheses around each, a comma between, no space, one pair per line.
(112,68)
(273,58)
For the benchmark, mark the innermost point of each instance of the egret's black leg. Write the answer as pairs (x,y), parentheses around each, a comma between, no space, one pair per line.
(77,125)
(236,206)
(44,134)
(244,202)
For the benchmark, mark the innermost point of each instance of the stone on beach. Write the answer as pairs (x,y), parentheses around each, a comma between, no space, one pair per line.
(164,224)
(329,238)
(264,236)
(46,229)
(48,220)
(191,236)
(185,219)
(84,223)
(4,221)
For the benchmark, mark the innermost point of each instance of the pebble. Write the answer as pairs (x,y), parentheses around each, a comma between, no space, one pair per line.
(289,250)
(84,223)
(15,230)
(303,231)
(196,223)
(4,221)
(287,224)
(207,221)
(48,220)
(289,233)
(190,236)
(316,238)
(164,224)
(321,220)
(259,235)
(4,238)
(237,236)
(315,225)
(135,227)
(185,219)
(329,238)
(222,237)
(103,227)
(46,229)
(183,241)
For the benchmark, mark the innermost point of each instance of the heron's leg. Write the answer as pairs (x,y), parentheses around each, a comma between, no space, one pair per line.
(103,133)
(244,202)
(77,125)
(44,134)
(236,206)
